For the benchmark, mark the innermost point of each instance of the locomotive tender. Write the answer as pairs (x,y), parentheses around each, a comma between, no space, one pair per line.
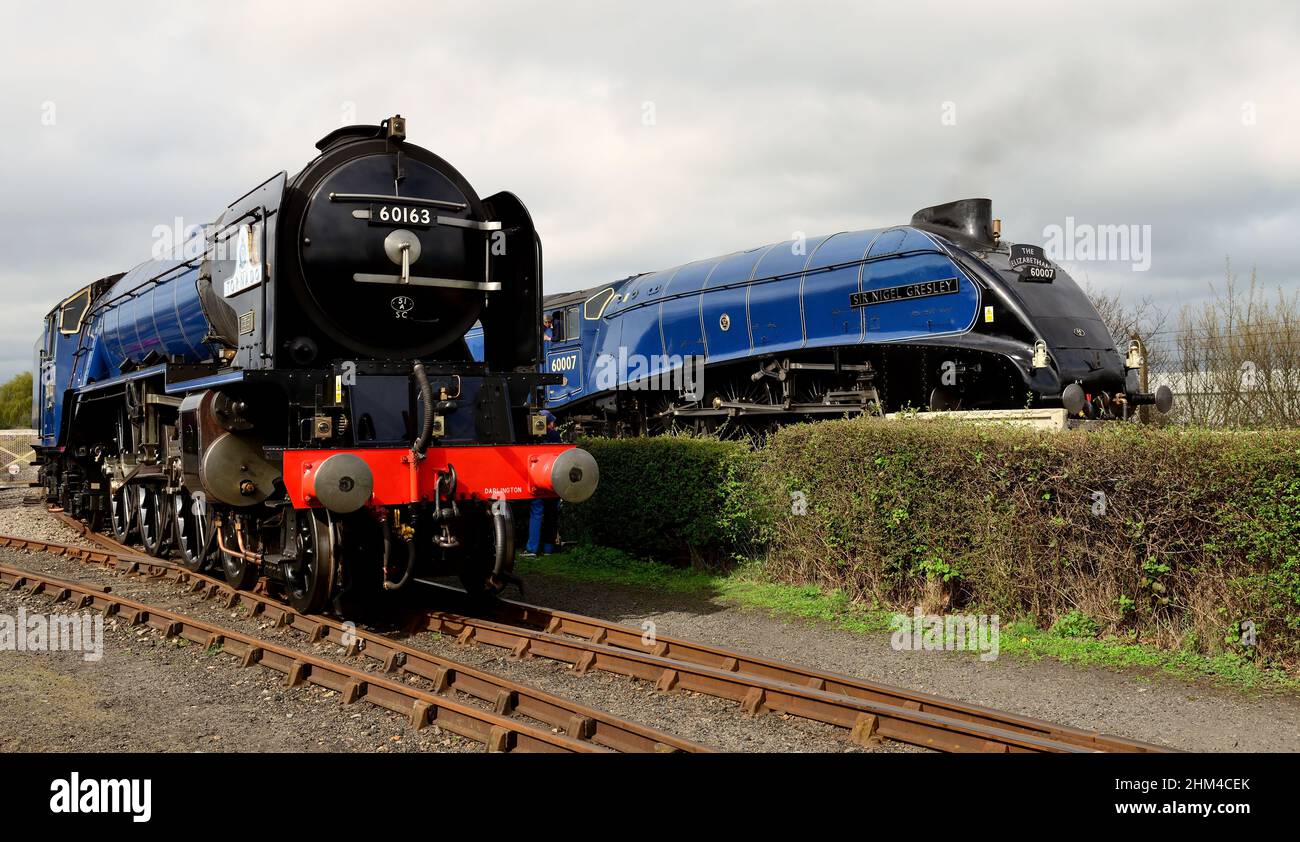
(292,395)
(940,314)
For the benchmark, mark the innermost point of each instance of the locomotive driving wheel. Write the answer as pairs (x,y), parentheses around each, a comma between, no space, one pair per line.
(659,413)
(153,521)
(192,530)
(241,572)
(357,565)
(122,512)
(309,576)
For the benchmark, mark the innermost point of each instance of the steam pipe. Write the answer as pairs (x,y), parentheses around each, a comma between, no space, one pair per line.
(390,585)
(503,529)
(426,395)
(239,539)
(240,553)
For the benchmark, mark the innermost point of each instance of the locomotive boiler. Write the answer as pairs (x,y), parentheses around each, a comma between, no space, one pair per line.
(289,394)
(940,314)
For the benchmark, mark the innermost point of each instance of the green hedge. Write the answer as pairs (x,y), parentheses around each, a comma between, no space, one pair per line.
(1197,531)
(665,498)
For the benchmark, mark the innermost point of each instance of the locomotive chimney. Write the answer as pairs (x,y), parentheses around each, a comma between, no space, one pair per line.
(968,222)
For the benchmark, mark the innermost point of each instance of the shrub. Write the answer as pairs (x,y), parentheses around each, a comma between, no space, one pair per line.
(1075,624)
(1169,535)
(669,497)
(1157,532)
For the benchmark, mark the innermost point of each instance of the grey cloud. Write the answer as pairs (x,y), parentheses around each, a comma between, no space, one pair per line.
(770,118)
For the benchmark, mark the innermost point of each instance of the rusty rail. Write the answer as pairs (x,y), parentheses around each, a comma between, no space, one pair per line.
(870,710)
(867,720)
(616,636)
(495,731)
(508,698)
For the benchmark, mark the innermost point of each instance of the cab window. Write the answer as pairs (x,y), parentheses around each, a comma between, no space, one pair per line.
(73,311)
(565,324)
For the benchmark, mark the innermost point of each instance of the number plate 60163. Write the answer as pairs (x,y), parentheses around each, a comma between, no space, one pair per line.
(401,215)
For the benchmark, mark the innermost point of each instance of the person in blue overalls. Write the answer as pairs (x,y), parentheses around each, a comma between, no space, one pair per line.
(544,515)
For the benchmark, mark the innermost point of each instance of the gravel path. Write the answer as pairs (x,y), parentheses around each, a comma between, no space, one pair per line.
(1189,715)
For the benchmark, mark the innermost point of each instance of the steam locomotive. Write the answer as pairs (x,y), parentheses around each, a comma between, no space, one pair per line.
(937,315)
(290,394)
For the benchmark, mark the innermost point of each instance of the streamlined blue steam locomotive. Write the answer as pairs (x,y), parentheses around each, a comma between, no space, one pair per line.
(940,314)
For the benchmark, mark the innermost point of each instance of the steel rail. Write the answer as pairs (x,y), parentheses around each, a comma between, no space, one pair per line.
(868,720)
(446,676)
(596,630)
(870,710)
(495,731)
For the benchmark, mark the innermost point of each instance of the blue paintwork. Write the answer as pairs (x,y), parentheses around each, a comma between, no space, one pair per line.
(138,374)
(182,386)
(153,309)
(563,358)
(51,380)
(727,292)
(474,339)
(776,299)
(679,315)
(566,359)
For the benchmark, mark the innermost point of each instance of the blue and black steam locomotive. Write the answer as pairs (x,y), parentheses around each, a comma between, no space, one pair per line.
(290,394)
(940,314)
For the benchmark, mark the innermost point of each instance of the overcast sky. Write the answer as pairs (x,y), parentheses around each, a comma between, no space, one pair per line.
(645,135)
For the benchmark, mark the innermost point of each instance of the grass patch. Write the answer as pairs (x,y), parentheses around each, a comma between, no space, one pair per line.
(746,586)
(1023,639)
(603,564)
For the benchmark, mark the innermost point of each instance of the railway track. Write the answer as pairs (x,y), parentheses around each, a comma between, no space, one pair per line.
(497,732)
(765,684)
(869,711)
(504,728)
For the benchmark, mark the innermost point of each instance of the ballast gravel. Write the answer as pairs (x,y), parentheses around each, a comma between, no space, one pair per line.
(714,722)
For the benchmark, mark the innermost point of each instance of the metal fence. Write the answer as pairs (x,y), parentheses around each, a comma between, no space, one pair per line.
(16,456)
